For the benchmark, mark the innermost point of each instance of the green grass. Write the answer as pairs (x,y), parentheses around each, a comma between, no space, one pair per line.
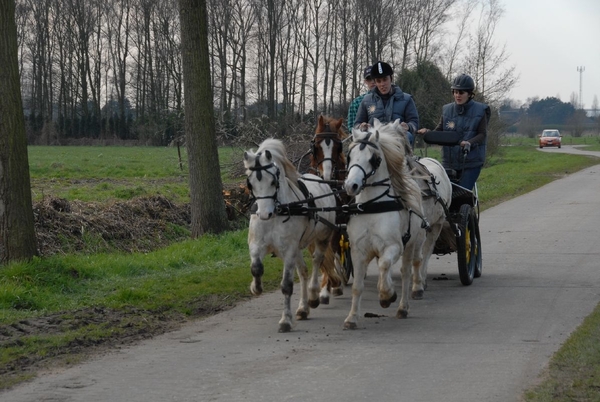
(194,277)
(518,170)
(165,279)
(114,173)
(574,371)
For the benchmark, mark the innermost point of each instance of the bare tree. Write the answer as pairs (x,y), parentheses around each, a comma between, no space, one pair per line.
(455,43)
(432,14)
(486,61)
(207,204)
(118,35)
(17,234)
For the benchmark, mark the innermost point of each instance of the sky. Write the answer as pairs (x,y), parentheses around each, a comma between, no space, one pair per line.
(547,41)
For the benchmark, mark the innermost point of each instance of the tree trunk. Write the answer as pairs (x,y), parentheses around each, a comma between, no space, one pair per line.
(206,188)
(17,233)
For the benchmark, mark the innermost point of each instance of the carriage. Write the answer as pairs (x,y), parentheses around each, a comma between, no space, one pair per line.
(390,206)
(461,233)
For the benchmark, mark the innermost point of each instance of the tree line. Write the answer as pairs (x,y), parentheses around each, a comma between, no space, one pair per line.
(112,69)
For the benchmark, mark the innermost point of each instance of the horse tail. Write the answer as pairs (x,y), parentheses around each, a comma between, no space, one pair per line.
(330,274)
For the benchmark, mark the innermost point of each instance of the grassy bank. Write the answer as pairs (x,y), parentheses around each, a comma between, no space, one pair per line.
(55,310)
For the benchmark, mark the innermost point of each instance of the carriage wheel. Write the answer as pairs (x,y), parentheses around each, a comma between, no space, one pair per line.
(467,259)
(478,254)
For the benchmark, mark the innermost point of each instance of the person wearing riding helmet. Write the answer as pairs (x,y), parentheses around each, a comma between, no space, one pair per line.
(471,118)
(387,103)
(369,84)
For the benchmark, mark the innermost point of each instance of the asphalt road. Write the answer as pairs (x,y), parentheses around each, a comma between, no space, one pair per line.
(485,342)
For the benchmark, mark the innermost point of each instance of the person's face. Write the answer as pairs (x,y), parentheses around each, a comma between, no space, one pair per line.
(460,97)
(369,83)
(384,85)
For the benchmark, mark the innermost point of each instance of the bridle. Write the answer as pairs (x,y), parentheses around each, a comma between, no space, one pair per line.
(327,135)
(258,170)
(375,161)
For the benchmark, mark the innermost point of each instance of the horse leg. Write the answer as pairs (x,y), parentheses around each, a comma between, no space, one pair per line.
(385,285)
(305,303)
(287,288)
(331,277)
(339,290)
(257,268)
(420,276)
(360,267)
(331,264)
(412,260)
(337,249)
(419,282)
(315,290)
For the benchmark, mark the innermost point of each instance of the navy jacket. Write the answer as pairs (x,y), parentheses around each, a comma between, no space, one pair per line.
(466,119)
(400,106)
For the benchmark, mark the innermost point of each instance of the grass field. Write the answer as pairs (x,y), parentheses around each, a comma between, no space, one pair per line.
(54,310)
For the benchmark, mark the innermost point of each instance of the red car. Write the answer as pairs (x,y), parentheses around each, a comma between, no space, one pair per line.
(550,138)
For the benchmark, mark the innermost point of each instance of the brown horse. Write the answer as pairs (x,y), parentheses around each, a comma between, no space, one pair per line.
(327,153)
(328,159)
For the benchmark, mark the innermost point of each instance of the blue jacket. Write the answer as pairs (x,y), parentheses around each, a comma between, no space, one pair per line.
(400,106)
(466,119)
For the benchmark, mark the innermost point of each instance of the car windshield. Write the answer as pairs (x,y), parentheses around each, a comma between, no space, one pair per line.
(550,134)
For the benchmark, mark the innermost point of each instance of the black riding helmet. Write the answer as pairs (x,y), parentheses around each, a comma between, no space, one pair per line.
(381,69)
(463,82)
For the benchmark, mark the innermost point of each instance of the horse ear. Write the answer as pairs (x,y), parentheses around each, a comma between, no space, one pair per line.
(320,124)
(246,155)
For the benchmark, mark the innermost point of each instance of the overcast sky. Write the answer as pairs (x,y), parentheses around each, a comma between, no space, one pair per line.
(547,41)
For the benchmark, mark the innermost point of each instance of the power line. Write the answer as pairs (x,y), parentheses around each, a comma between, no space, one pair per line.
(580,69)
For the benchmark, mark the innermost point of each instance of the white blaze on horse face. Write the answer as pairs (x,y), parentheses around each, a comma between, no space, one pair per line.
(327,164)
(358,167)
(263,184)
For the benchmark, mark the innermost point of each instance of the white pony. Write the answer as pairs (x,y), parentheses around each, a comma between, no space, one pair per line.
(388,222)
(285,223)
(436,192)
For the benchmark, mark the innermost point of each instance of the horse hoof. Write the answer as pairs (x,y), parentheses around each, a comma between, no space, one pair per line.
(338,291)
(402,314)
(285,327)
(417,295)
(386,303)
(256,291)
(324,300)
(314,303)
(350,325)
(301,315)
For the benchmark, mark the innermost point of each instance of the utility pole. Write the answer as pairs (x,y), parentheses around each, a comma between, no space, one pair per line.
(580,69)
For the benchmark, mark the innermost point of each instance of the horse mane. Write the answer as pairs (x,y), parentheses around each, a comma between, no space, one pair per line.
(393,147)
(278,152)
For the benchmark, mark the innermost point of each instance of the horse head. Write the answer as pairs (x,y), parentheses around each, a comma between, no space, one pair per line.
(263,181)
(327,154)
(364,160)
